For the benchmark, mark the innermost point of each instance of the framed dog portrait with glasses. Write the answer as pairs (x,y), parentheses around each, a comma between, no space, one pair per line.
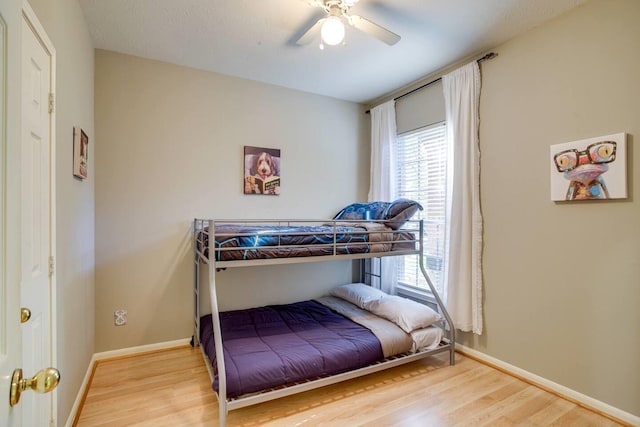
(261,171)
(589,169)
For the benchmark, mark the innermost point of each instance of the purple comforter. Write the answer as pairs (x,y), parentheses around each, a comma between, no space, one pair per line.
(280,344)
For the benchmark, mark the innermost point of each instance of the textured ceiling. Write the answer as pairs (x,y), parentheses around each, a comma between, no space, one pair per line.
(255,39)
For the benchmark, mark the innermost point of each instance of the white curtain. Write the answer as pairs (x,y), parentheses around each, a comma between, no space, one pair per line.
(463,274)
(382,183)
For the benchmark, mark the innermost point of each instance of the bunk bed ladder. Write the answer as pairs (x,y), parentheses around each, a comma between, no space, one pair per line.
(217,330)
(450,328)
(374,278)
(195,339)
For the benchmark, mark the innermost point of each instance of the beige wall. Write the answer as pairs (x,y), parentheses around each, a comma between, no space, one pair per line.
(562,280)
(561,291)
(170,148)
(75,263)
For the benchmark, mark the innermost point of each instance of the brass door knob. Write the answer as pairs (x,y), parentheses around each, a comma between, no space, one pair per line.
(25,314)
(42,382)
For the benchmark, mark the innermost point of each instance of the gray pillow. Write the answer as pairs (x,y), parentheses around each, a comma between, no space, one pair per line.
(399,212)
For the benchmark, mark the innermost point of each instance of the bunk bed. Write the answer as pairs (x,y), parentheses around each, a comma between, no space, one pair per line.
(358,341)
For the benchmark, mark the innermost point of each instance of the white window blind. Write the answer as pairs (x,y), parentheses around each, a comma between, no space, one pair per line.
(421,175)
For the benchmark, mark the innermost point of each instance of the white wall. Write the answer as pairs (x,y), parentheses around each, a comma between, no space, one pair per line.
(170,148)
(75,263)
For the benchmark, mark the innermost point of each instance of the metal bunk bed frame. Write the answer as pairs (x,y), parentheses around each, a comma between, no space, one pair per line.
(202,227)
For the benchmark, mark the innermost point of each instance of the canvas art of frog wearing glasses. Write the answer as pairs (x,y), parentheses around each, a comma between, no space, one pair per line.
(585,169)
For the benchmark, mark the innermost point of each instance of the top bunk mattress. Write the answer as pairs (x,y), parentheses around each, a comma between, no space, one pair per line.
(247,241)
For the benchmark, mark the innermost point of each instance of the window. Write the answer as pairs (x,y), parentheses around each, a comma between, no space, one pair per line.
(421,175)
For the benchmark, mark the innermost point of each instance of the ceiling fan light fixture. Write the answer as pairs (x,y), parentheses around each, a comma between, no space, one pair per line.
(332,31)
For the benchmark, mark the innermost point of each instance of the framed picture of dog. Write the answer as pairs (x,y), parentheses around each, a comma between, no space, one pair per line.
(589,169)
(261,171)
(80,153)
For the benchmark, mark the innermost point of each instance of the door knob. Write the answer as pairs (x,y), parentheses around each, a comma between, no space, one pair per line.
(42,382)
(25,314)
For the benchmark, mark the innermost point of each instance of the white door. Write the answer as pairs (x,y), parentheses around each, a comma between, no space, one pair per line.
(10,342)
(36,288)
(25,166)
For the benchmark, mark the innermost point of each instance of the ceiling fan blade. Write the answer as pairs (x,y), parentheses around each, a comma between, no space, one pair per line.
(374,30)
(314,3)
(311,33)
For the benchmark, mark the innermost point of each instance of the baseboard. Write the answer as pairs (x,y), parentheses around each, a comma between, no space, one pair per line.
(583,400)
(124,352)
(140,349)
(77,404)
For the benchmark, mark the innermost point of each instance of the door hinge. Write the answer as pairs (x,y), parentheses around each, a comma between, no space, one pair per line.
(51,265)
(51,102)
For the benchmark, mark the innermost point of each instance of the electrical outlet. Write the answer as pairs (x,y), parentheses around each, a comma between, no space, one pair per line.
(120,317)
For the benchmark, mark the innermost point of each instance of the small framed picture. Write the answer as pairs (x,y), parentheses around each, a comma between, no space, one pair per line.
(80,153)
(261,171)
(589,169)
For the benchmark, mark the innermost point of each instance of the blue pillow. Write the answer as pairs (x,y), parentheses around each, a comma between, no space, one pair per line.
(395,214)
(363,211)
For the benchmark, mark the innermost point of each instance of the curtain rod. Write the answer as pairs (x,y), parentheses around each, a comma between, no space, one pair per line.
(489,55)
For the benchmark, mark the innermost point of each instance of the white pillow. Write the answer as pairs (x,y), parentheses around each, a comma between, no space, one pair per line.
(426,338)
(358,294)
(407,314)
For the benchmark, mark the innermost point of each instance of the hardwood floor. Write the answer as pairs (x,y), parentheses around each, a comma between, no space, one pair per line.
(172,388)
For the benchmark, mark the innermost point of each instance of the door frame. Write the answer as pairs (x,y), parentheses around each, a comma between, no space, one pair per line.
(31,19)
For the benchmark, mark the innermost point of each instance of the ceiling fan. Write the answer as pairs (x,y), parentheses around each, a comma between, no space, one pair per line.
(332,28)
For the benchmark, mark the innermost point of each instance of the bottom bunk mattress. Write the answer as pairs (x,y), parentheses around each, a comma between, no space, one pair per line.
(275,345)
